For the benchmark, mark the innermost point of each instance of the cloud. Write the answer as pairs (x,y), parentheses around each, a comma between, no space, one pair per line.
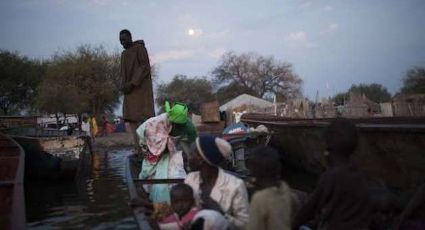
(218,37)
(331,28)
(184,54)
(217,53)
(299,39)
(305,4)
(327,8)
(99,2)
(171,55)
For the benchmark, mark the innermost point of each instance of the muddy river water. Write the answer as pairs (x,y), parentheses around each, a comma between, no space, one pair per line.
(98,201)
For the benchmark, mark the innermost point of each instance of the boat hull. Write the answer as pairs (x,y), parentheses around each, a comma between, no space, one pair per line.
(62,157)
(136,191)
(12,200)
(389,149)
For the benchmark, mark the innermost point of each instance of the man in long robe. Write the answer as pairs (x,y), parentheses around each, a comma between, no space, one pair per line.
(136,84)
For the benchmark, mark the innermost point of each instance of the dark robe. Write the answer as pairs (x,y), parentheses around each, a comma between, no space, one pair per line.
(341,200)
(135,68)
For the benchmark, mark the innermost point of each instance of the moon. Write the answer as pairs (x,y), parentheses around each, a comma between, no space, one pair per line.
(191,32)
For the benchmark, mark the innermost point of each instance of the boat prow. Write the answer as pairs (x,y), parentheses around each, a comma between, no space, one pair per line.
(62,157)
(12,158)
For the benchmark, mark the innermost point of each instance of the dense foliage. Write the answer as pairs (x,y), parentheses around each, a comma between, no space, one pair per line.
(19,78)
(257,75)
(192,91)
(414,82)
(86,80)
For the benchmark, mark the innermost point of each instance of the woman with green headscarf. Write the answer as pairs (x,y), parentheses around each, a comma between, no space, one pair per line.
(182,125)
(159,136)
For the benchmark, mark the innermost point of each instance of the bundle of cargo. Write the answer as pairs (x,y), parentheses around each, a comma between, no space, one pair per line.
(210,119)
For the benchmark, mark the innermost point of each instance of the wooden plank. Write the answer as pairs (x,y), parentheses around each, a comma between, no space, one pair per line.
(159,181)
(12,158)
(7,183)
(140,217)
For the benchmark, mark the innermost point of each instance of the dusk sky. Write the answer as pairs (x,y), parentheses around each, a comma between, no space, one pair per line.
(331,44)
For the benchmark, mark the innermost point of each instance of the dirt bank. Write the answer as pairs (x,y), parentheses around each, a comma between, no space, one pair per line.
(114,140)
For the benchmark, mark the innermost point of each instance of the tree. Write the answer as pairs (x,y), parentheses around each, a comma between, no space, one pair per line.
(414,82)
(20,77)
(257,75)
(86,80)
(226,93)
(340,98)
(57,95)
(374,92)
(191,91)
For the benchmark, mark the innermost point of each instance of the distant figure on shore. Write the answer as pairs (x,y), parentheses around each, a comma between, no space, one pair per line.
(271,205)
(342,198)
(93,127)
(136,84)
(85,126)
(120,126)
(104,126)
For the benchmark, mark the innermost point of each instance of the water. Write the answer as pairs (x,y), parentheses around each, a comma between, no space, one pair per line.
(100,200)
(96,202)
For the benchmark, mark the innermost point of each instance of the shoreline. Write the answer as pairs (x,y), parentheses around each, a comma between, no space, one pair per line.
(114,140)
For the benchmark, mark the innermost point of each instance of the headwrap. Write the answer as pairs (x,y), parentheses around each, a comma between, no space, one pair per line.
(157,137)
(178,113)
(213,149)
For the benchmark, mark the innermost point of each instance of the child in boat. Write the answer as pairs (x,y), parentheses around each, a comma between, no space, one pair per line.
(183,205)
(187,214)
(271,206)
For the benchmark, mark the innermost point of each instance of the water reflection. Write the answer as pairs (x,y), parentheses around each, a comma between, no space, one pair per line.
(96,202)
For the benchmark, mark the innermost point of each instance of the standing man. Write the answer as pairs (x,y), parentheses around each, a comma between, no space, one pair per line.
(136,84)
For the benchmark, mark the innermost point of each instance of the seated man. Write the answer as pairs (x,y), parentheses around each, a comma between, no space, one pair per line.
(271,205)
(342,199)
(214,188)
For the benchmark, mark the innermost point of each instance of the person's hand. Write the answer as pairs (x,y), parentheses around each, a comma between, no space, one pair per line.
(127,88)
(209,203)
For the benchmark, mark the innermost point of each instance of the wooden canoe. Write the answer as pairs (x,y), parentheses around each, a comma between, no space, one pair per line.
(390,148)
(136,191)
(12,200)
(62,157)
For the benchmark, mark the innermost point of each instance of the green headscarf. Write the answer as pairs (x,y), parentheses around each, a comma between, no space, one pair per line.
(177,114)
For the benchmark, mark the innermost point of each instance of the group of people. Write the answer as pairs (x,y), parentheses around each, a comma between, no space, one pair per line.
(212,198)
(89,126)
